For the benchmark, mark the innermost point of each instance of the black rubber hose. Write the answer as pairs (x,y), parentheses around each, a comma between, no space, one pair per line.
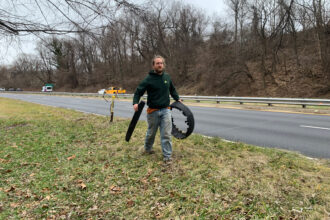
(134,120)
(190,121)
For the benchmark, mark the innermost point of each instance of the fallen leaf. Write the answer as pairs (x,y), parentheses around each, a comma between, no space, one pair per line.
(149,172)
(144,181)
(82,186)
(115,189)
(10,189)
(45,190)
(19,193)
(24,164)
(3,161)
(130,203)
(93,208)
(71,158)
(14,205)
(14,145)
(32,174)
(155,179)
(158,215)
(29,205)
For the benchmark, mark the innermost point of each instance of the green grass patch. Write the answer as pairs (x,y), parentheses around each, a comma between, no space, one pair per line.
(59,164)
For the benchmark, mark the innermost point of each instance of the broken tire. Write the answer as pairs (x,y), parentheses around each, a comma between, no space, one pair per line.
(190,121)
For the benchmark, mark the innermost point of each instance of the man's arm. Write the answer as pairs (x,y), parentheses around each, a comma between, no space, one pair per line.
(140,90)
(173,92)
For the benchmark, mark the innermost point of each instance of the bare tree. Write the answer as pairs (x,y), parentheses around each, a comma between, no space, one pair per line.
(269,23)
(323,38)
(46,66)
(268,38)
(236,6)
(25,73)
(56,16)
(315,14)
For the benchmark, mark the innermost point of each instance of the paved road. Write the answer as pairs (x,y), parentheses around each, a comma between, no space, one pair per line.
(308,134)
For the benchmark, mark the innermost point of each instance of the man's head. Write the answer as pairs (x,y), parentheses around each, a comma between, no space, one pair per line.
(158,64)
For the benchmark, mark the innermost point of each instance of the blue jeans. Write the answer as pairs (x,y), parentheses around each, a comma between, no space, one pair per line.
(163,119)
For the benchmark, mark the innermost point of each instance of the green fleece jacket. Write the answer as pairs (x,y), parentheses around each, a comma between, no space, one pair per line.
(158,87)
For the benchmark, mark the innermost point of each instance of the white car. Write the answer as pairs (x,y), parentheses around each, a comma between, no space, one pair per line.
(2,89)
(47,89)
(101,92)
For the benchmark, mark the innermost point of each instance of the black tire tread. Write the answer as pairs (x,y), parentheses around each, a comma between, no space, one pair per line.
(176,132)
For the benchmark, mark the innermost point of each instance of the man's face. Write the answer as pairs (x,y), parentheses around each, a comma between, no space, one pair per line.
(158,65)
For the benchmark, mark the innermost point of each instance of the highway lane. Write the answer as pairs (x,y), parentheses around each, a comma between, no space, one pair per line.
(308,134)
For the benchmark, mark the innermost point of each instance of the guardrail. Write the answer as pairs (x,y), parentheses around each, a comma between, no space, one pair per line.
(270,101)
(218,99)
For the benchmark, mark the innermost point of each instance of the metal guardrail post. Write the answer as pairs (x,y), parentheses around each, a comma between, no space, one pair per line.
(112,106)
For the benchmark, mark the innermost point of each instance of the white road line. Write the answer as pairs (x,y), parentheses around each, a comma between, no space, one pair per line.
(224,140)
(306,126)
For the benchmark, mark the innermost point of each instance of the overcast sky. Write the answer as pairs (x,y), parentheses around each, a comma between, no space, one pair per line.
(210,6)
(11,48)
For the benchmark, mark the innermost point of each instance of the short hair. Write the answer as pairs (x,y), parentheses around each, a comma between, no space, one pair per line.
(158,56)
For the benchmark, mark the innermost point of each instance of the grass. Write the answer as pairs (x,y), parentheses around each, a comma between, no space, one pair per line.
(58,164)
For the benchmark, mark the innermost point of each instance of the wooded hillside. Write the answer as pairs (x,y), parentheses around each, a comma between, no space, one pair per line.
(267,48)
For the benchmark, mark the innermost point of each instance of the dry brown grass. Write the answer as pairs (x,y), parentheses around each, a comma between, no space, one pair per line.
(57,163)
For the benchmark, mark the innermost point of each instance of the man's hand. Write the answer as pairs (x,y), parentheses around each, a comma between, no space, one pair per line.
(136,107)
(180,100)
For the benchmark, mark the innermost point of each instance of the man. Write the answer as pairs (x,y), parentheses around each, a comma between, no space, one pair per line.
(159,86)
